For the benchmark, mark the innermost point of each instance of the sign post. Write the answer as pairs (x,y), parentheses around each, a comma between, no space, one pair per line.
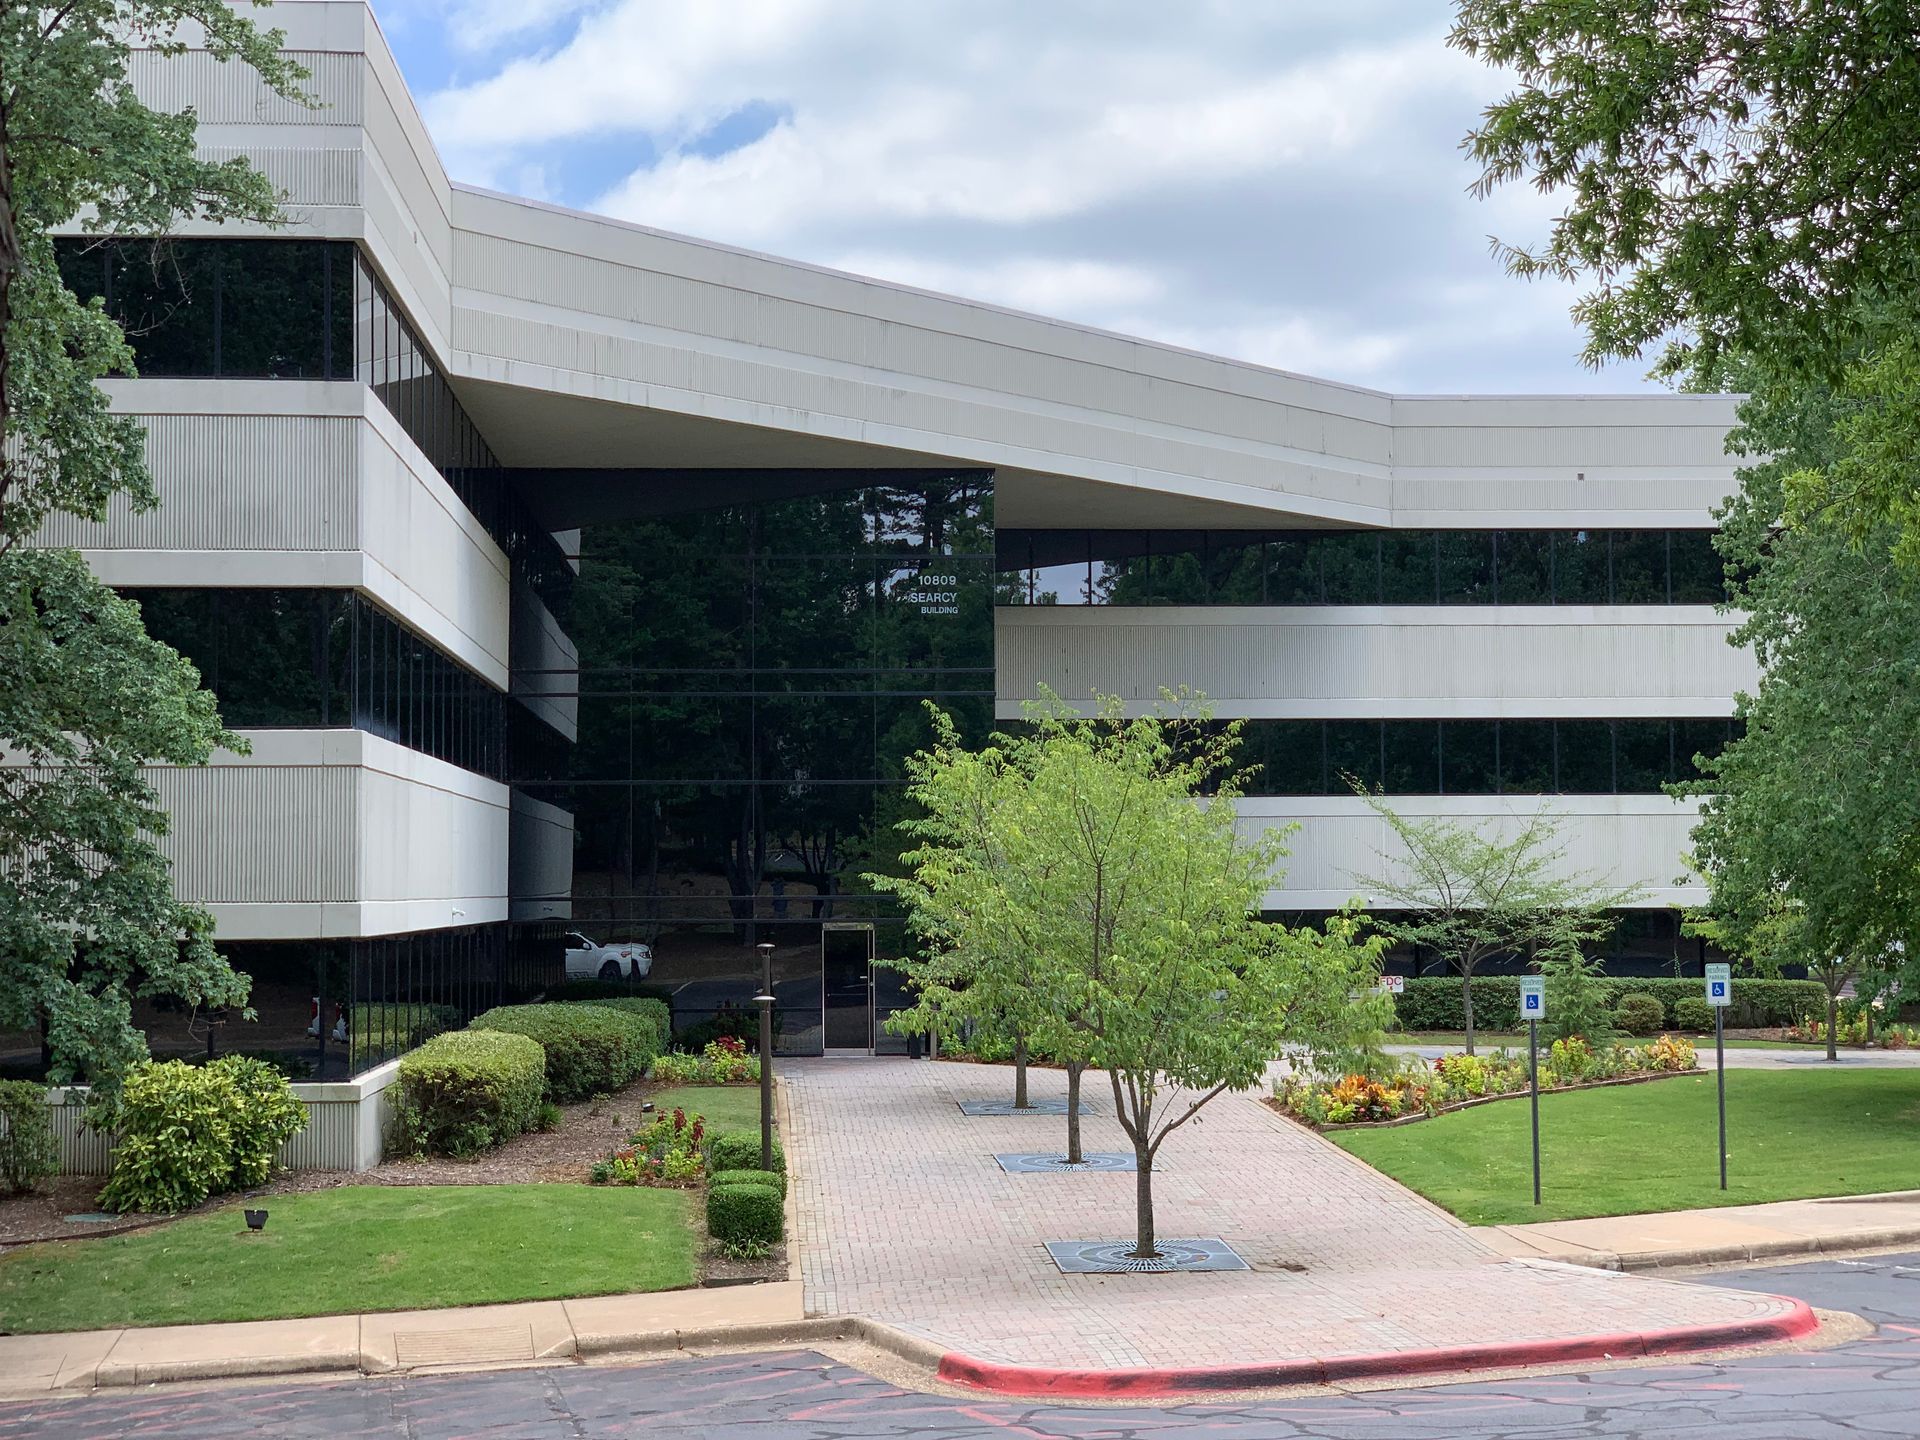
(1533,1009)
(1719,996)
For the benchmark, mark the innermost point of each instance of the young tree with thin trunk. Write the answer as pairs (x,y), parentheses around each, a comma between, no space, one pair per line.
(1121,872)
(1468,894)
(87,915)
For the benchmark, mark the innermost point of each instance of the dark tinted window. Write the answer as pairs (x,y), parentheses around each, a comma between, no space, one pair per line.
(1351,567)
(1586,756)
(1412,757)
(1353,751)
(1643,755)
(1526,757)
(1468,765)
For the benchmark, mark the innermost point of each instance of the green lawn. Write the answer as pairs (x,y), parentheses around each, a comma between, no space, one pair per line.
(1635,1148)
(726,1107)
(361,1247)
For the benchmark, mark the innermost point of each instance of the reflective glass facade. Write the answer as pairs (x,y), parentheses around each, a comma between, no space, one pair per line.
(1478,757)
(751,679)
(307,310)
(1361,567)
(307,658)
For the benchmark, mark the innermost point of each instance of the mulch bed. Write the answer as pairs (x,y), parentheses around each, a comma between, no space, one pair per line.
(563,1155)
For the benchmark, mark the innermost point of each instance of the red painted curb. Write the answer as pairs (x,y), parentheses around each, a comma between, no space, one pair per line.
(958,1369)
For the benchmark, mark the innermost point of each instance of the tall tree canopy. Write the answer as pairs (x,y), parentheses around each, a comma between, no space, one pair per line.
(1742,179)
(87,914)
(1810,825)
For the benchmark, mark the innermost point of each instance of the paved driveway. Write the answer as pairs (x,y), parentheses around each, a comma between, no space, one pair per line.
(905,1217)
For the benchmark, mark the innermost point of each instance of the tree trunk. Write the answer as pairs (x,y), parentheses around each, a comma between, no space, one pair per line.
(9,268)
(1466,1005)
(1020,1101)
(1833,1025)
(1075,1156)
(1144,1245)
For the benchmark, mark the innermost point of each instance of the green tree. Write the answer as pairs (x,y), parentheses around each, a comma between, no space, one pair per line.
(1468,895)
(87,915)
(1140,903)
(1809,833)
(1742,179)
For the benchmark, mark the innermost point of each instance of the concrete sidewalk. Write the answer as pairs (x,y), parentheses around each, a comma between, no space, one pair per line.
(1733,1234)
(480,1335)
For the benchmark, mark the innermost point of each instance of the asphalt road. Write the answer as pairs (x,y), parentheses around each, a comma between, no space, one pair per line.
(1868,1388)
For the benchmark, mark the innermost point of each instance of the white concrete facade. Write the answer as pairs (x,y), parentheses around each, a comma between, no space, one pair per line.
(578,341)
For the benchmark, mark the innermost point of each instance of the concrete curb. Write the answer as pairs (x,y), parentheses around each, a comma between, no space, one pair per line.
(1793,1247)
(162,1372)
(1040,1380)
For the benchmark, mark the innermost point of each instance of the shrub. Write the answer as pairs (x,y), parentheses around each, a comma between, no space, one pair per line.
(740,1150)
(1572,1058)
(656,1013)
(266,1116)
(28,1153)
(189,1131)
(745,1217)
(1693,1014)
(573,991)
(467,1091)
(551,1116)
(589,1048)
(1639,1014)
(1432,1002)
(772,1179)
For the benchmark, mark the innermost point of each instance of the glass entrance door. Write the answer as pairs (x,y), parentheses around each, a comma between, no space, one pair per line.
(846,964)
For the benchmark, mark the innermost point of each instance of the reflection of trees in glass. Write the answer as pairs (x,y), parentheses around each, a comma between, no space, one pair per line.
(749,674)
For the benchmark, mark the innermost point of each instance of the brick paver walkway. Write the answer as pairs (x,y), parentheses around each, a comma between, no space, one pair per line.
(905,1218)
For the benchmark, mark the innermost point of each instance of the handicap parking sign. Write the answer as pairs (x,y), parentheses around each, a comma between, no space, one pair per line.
(1533,998)
(1719,985)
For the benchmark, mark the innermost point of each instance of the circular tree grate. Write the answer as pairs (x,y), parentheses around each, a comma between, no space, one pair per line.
(1112,1161)
(1116,1257)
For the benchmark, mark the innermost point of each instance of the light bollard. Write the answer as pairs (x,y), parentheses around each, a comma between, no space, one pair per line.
(765,1001)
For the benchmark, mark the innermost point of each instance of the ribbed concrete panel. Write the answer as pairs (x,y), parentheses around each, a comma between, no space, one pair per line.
(1375,662)
(247,834)
(304,176)
(235,482)
(231,94)
(1627,839)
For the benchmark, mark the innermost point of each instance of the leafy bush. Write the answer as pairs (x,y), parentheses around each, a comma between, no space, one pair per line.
(745,1216)
(1572,1059)
(1669,1052)
(467,1091)
(550,1117)
(741,1022)
(656,1013)
(1692,1013)
(266,1116)
(572,991)
(189,1131)
(589,1049)
(1432,1002)
(28,1152)
(740,1150)
(675,1069)
(1577,996)
(724,1062)
(1639,1014)
(772,1179)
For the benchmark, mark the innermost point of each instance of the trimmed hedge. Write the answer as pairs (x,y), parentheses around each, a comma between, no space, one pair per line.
(467,1091)
(656,1013)
(1639,1013)
(590,1049)
(772,1179)
(1692,1014)
(573,991)
(740,1150)
(745,1215)
(1432,1002)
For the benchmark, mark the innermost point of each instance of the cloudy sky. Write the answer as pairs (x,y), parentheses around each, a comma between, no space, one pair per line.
(1277,180)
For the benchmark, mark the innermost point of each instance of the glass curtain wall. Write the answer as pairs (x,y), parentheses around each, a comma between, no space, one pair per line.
(1479,757)
(1361,567)
(751,680)
(322,658)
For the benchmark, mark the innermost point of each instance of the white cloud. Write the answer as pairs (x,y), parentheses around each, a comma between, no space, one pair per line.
(1278,182)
